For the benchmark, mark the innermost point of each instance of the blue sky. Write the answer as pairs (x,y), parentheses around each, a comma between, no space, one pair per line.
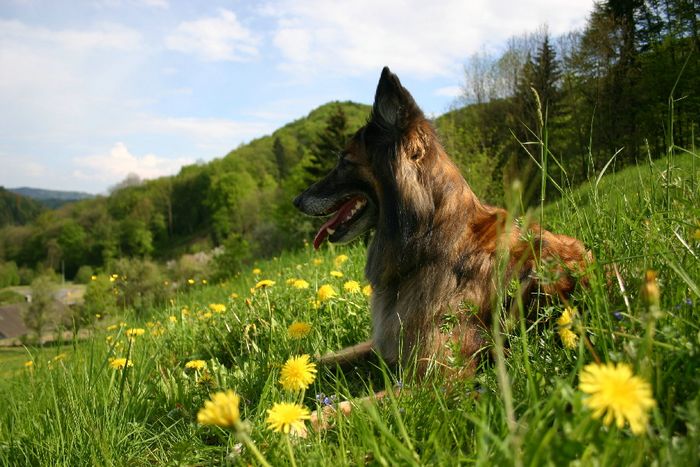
(91,91)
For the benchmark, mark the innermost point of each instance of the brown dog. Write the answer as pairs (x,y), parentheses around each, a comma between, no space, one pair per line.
(437,250)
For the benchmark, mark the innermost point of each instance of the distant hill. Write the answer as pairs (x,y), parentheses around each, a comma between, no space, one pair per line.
(16,209)
(52,199)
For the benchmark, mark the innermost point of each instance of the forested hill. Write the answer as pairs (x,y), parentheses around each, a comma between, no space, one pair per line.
(16,209)
(241,201)
(51,198)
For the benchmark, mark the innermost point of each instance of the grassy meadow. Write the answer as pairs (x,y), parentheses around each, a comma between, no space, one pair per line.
(69,406)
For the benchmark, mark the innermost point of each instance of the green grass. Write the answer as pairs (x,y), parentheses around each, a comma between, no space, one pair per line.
(79,411)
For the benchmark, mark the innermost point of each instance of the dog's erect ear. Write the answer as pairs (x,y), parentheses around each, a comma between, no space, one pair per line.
(394,107)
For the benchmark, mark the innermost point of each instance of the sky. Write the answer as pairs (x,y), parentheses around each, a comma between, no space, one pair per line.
(91,91)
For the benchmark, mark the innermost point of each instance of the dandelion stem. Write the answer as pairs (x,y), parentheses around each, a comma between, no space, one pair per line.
(243,436)
(290,451)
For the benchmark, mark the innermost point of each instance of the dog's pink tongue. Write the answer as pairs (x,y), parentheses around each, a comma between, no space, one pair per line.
(338,218)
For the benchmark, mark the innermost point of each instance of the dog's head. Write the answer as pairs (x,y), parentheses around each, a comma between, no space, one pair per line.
(353,193)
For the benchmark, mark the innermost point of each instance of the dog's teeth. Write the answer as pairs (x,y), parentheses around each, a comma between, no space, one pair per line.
(358,205)
(330,231)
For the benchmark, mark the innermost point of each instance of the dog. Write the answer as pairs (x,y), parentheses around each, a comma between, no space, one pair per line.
(437,250)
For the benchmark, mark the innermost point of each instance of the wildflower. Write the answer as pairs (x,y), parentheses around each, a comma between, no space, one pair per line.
(317,261)
(58,358)
(352,286)
(196,364)
(205,316)
(217,307)
(123,324)
(29,364)
(112,327)
(157,331)
(298,373)
(172,319)
(617,394)
(222,410)
(339,260)
(326,292)
(112,279)
(109,339)
(257,271)
(568,337)
(233,295)
(264,283)
(120,363)
(300,284)
(298,330)
(288,418)
(204,281)
(190,281)
(133,332)
(337,274)
(564,323)
(367,290)
(93,277)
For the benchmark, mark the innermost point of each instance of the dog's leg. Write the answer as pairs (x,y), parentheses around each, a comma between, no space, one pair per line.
(320,418)
(347,355)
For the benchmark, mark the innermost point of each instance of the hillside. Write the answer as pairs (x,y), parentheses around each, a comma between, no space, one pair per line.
(16,209)
(242,200)
(52,199)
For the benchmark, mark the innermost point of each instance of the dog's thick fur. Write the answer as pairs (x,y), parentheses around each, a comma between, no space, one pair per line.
(433,259)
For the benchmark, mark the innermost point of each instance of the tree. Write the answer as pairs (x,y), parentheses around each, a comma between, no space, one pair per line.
(280,159)
(330,143)
(42,307)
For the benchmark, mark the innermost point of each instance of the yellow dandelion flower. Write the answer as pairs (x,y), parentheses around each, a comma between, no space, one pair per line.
(206,315)
(59,358)
(190,281)
(233,295)
(317,261)
(257,271)
(120,363)
(300,284)
(339,260)
(564,323)
(93,277)
(326,292)
(172,319)
(298,373)
(196,364)
(367,290)
(568,337)
(336,274)
(615,394)
(567,317)
(298,330)
(133,332)
(697,234)
(123,324)
(352,286)
(29,364)
(222,410)
(217,307)
(112,279)
(264,283)
(112,327)
(204,281)
(287,418)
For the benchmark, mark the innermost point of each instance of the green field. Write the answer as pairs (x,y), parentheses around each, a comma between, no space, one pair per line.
(77,410)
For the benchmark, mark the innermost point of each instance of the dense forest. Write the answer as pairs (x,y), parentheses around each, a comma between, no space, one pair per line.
(623,89)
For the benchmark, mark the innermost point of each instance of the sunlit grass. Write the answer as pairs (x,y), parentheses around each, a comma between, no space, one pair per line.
(80,410)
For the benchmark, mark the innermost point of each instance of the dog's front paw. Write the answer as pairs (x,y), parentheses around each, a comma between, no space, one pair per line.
(321,420)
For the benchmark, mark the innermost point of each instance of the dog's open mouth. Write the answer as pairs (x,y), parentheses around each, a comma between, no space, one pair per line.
(345,213)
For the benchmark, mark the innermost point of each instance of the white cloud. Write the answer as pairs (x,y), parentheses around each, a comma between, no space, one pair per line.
(423,38)
(207,132)
(449,91)
(119,162)
(219,38)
